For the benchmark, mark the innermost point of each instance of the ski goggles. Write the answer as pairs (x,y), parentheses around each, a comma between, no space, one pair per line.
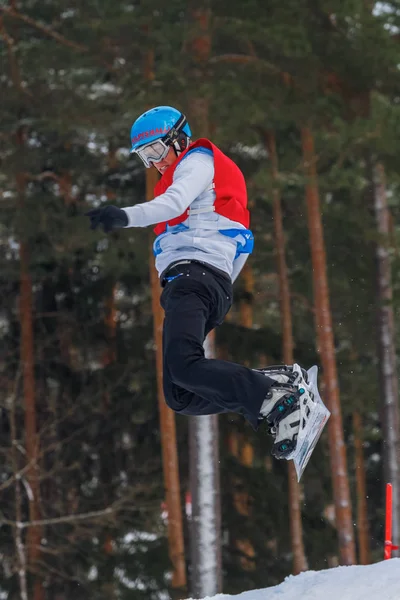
(153,152)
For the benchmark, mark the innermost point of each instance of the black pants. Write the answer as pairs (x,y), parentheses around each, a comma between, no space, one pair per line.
(196,299)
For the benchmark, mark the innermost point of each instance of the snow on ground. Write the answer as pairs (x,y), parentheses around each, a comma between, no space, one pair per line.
(380,581)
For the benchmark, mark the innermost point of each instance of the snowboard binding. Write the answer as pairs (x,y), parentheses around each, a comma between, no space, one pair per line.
(288,405)
(284,448)
(296,419)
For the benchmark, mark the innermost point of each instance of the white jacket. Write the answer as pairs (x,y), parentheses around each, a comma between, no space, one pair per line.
(199,237)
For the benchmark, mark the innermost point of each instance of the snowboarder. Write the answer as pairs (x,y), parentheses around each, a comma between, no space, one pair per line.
(203,241)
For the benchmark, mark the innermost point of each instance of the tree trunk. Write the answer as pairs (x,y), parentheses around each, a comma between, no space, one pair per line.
(34,533)
(168,429)
(362,512)
(110,357)
(203,431)
(296,528)
(386,348)
(240,447)
(205,491)
(167,416)
(27,360)
(198,49)
(326,349)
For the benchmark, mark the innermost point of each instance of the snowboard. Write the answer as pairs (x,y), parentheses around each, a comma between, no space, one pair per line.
(313,417)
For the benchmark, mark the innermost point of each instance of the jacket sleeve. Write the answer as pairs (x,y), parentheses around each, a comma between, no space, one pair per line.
(192,177)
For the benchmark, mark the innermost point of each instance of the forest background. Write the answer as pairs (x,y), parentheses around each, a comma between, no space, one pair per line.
(304,96)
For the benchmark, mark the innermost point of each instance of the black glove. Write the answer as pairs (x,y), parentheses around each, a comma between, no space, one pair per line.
(111,217)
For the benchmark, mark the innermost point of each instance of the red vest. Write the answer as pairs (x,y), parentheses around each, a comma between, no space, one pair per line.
(229,183)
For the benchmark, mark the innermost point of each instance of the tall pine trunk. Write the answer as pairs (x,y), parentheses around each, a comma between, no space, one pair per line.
(167,428)
(362,512)
(203,431)
(242,447)
(27,356)
(296,528)
(167,416)
(110,357)
(206,556)
(326,349)
(386,348)
(28,371)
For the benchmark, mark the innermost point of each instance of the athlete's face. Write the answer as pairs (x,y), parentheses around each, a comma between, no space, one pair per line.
(166,162)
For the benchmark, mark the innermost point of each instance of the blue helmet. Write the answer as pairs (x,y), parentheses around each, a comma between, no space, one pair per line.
(161,122)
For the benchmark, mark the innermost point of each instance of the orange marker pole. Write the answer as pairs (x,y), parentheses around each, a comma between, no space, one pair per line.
(389,546)
(388,523)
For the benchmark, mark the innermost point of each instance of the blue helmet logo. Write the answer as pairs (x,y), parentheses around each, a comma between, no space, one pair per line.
(155,124)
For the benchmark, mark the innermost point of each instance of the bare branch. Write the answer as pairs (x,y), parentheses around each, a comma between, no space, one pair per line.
(235,58)
(46,30)
(42,176)
(95,514)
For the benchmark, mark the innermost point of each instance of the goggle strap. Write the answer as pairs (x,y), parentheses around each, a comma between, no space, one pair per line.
(174,132)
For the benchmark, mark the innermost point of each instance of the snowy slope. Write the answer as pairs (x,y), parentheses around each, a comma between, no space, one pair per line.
(380,581)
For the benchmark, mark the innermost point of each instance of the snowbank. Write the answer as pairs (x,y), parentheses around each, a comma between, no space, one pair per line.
(380,581)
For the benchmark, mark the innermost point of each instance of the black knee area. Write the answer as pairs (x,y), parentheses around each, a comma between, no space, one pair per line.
(180,356)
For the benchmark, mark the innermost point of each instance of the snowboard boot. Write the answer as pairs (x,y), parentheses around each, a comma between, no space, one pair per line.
(281,407)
